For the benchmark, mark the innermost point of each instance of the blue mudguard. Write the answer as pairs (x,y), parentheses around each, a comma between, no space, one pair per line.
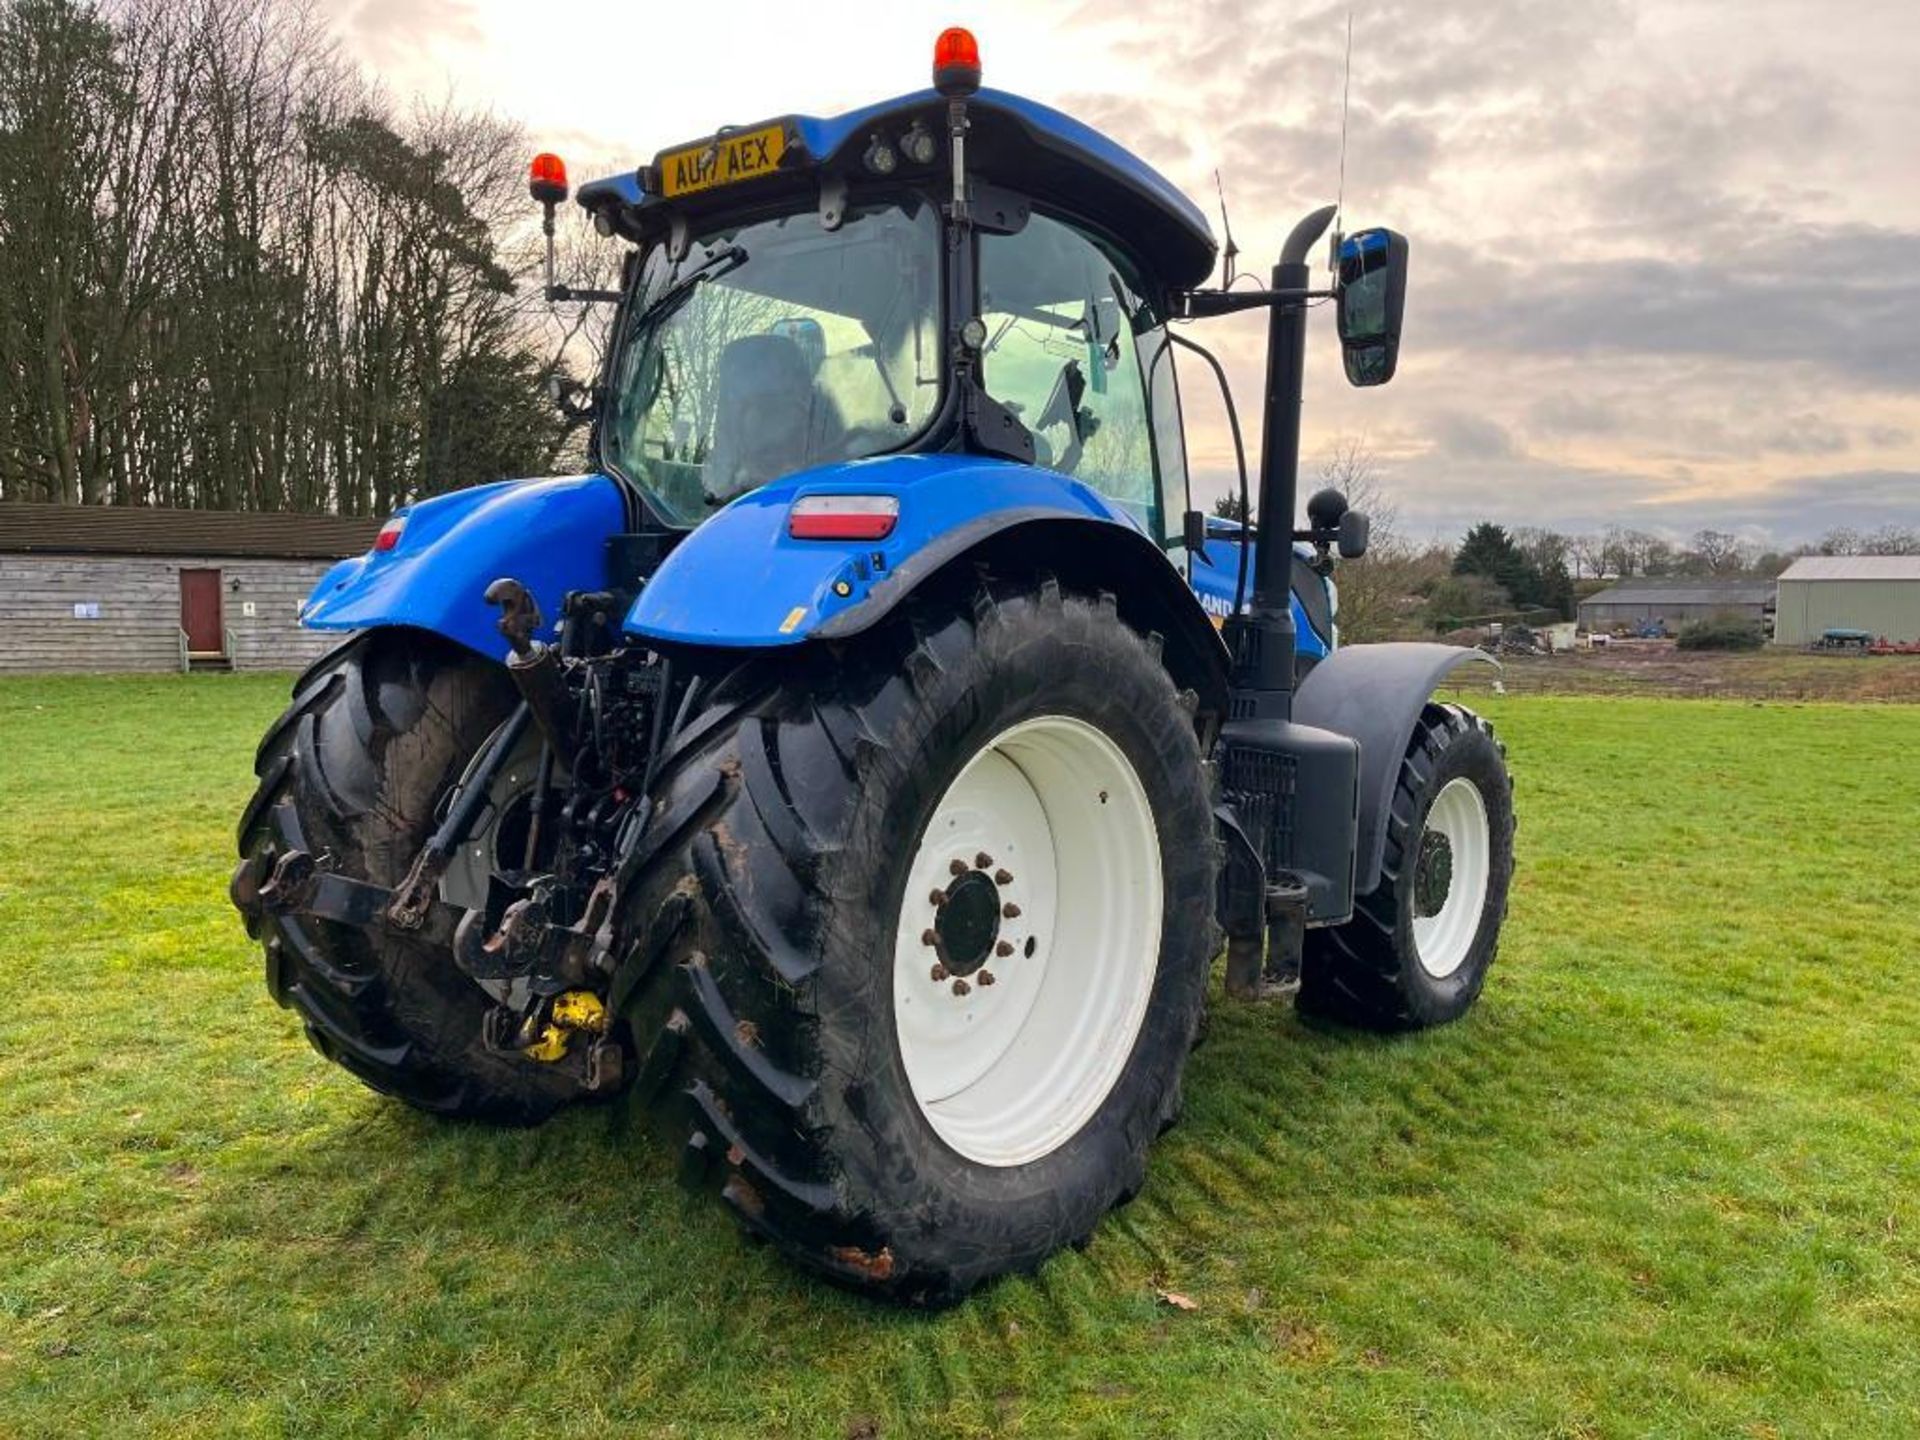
(1374,694)
(741,580)
(1216,571)
(549,534)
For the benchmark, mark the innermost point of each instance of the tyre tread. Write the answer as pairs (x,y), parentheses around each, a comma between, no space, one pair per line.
(347,1006)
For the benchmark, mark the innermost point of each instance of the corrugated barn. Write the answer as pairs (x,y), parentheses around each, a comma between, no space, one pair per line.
(1879,594)
(1675,602)
(124,588)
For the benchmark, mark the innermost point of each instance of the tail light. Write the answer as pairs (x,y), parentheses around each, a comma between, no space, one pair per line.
(390,534)
(843,517)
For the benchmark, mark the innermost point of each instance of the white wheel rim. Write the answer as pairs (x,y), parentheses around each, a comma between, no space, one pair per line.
(1051,814)
(1444,938)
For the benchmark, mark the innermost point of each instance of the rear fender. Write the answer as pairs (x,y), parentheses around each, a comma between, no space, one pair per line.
(550,534)
(1374,694)
(741,581)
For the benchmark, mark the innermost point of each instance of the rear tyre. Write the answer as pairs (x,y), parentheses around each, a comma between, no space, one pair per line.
(1417,949)
(917,996)
(377,734)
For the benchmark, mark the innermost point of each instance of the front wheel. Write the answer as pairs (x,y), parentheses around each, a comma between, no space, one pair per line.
(1417,949)
(918,998)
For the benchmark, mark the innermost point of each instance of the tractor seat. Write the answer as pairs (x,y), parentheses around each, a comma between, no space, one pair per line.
(769,416)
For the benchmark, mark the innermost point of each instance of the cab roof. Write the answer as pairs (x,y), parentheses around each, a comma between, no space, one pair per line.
(1029,148)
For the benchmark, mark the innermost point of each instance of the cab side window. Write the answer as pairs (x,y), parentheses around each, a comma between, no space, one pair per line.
(1062,355)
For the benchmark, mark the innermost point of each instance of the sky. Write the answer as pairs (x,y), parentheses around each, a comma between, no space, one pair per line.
(1665,266)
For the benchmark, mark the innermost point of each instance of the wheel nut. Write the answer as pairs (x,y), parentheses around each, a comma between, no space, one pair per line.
(985,977)
(927,937)
(960,987)
(959,867)
(1010,910)
(1003,949)
(982,861)
(937,899)
(1003,876)
(939,973)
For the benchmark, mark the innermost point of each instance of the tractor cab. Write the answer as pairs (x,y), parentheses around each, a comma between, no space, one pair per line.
(940,272)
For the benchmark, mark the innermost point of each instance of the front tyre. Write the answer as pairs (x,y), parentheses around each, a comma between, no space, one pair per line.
(937,958)
(1417,949)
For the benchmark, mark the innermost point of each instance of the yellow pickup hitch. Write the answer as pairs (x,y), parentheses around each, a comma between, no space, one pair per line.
(575,1012)
(581,1010)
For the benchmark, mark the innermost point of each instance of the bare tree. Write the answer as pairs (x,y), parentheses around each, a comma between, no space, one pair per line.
(1545,549)
(1719,553)
(1380,594)
(1588,553)
(1840,541)
(1892,540)
(230,276)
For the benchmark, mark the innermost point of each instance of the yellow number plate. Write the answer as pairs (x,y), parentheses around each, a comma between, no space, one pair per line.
(745,156)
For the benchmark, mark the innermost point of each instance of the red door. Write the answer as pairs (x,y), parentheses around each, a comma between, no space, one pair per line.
(200,611)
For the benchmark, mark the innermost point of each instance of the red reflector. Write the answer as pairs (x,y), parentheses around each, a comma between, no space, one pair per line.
(843,517)
(390,534)
(547,179)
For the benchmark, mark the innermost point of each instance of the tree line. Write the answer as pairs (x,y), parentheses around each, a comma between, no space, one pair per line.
(1406,589)
(233,276)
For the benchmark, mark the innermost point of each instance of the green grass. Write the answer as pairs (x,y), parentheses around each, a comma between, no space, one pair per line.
(1665,1180)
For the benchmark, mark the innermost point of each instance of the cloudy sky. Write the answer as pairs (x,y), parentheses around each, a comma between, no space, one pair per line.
(1666,255)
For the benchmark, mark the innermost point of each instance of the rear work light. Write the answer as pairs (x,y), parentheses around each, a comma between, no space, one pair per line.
(843,517)
(390,534)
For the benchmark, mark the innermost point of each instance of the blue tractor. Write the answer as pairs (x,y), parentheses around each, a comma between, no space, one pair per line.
(862,768)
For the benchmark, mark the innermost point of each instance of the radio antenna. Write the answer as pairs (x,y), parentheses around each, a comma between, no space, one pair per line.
(1340,193)
(1228,255)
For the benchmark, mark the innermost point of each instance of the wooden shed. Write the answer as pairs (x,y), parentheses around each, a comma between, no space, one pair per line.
(128,588)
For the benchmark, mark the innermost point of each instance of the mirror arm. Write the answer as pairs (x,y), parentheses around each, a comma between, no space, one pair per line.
(1203,304)
(591,297)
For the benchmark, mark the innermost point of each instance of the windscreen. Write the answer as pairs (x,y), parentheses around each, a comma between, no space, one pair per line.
(773,346)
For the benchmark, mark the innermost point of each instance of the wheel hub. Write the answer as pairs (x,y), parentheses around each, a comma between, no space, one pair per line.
(1452,869)
(1432,874)
(967,922)
(1028,942)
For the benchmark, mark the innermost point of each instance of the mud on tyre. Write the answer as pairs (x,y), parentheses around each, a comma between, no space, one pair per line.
(875,869)
(378,732)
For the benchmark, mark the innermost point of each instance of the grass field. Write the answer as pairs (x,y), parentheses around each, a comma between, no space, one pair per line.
(1665,1180)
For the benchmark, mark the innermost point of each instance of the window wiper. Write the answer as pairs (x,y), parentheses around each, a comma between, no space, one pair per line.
(721,262)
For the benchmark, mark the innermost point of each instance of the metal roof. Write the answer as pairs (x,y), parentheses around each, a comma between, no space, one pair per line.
(1684,591)
(1032,148)
(1854,567)
(27,529)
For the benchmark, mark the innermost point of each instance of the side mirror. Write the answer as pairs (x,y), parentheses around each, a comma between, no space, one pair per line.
(1372,299)
(1354,530)
(1193,532)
